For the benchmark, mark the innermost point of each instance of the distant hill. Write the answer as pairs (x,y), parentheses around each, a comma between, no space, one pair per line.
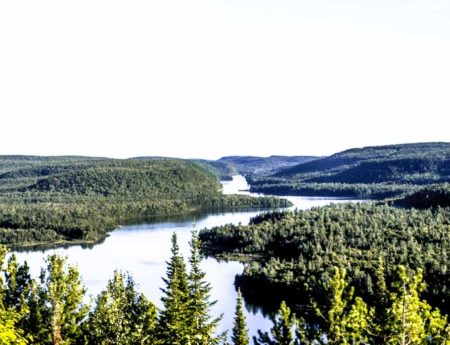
(251,165)
(377,172)
(62,199)
(223,170)
(420,163)
(157,179)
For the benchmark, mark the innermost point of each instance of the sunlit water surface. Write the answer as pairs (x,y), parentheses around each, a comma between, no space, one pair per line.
(143,250)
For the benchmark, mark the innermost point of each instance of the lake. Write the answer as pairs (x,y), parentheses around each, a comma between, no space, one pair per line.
(144,249)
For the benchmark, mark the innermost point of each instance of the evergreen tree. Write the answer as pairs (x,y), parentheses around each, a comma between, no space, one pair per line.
(60,303)
(122,315)
(173,322)
(282,330)
(10,332)
(348,320)
(412,320)
(240,331)
(201,325)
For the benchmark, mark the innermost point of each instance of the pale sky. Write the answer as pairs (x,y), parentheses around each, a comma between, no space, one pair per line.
(208,78)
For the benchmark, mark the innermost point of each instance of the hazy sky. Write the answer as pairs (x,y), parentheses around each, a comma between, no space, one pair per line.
(207,78)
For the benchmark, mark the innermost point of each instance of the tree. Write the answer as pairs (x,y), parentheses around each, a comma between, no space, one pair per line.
(240,330)
(122,315)
(201,325)
(411,320)
(173,322)
(348,320)
(60,300)
(10,333)
(282,330)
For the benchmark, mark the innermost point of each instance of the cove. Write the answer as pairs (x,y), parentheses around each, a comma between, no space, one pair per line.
(143,250)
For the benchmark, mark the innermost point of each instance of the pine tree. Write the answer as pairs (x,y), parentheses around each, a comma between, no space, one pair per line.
(173,322)
(10,332)
(282,330)
(122,315)
(202,326)
(240,331)
(60,300)
(348,320)
(412,320)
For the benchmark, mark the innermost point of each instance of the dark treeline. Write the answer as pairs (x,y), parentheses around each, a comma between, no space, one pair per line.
(252,165)
(280,186)
(52,310)
(371,172)
(292,251)
(81,199)
(429,197)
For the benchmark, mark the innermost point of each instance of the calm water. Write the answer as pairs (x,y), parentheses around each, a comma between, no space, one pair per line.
(143,250)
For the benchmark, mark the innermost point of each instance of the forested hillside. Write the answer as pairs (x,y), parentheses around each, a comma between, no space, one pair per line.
(377,172)
(289,252)
(250,165)
(427,197)
(48,199)
(223,170)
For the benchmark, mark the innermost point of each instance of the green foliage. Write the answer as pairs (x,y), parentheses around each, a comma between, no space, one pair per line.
(173,321)
(348,320)
(250,165)
(122,315)
(10,331)
(428,197)
(61,303)
(371,172)
(239,334)
(410,319)
(201,326)
(223,170)
(296,249)
(280,186)
(282,330)
(57,200)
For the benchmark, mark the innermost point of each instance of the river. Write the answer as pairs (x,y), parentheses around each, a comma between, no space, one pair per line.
(143,249)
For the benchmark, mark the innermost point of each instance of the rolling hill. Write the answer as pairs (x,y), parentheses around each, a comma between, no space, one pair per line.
(379,171)
(54,199)
(251,165)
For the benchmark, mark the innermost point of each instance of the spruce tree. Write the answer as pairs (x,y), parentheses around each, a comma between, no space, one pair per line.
(60,302)
(282,331)
(10,332)
(201,325)
(348,319)
(122,315)
(240,331)
(412,320)
(173,322)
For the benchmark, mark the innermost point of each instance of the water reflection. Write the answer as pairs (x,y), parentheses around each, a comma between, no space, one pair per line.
(143,250)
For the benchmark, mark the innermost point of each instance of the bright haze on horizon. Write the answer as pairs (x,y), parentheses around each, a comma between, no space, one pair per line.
(208,78)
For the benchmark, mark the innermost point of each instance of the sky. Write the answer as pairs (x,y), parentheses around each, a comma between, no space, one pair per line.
(209,78)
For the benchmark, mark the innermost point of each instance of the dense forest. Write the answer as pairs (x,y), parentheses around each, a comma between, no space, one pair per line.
(53,310)
(251,165)
(371,172)
(54,199)
(290,251)
(429,197)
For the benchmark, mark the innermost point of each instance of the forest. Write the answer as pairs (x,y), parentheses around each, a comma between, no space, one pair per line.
(60,199)
(288,252)
(371,172)
(53,310)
